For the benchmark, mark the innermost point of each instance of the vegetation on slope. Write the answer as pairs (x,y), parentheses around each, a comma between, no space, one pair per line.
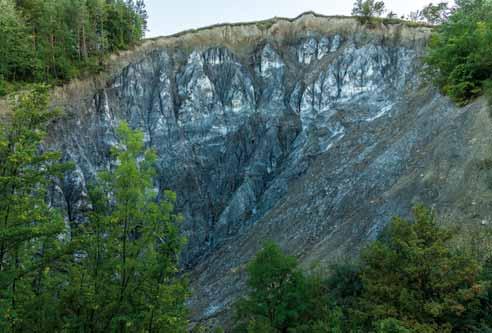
(460,51)
(118,270)
(459,57)
(115,272)
(410,281)
(53,41)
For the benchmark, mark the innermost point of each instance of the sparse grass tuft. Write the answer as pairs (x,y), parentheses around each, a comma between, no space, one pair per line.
(265,25)
(392,21)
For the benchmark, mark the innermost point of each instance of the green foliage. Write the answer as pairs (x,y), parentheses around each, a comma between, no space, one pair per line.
(117,272)
(204,329)
(57,40)
(15,53)
(126,278)
(367,9)
(3,87)
(345,284)
(277,287)
(391,325)
(460,51)
(29,227)
(432,14)
(412,276)
(436,13)
(282,299)
(410,280)
(265,25)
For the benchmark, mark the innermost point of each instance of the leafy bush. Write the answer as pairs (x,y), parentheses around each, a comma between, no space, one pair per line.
(391,325)
(117,273)
(410,280)
(282,298)
(367,9)
(410,274)
(277,289)
(460,51)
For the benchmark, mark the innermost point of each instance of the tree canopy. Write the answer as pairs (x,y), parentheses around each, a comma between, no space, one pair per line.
(282,298)
(411,276)
(57,40)
(410,280)
(117,271)
(459,57)
(367,9)
(30,227)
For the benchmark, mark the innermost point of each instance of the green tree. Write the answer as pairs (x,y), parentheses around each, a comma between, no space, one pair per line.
(367,9)
(282,299)
(15,56)
(124,25)
(460,51)
(410,275)
(30,228)
(344,286)
(277,288)
(57,40)
(481,318)
(436,13)
(126,277)
(141,11)
(391,325)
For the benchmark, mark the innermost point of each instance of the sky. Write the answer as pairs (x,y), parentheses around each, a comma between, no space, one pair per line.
(167,17)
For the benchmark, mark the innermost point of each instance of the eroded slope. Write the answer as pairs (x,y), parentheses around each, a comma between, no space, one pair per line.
(311,132)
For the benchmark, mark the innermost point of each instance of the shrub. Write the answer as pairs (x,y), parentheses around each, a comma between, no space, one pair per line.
(460,51)
(367,9)
(410,274)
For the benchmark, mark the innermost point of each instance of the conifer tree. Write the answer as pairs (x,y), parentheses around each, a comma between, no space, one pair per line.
(414,281)
(15,56)
(57,40)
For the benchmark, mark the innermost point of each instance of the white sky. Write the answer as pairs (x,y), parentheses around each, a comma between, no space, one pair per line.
(171,16)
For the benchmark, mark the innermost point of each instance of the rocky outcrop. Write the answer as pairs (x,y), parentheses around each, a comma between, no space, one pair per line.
(312,132)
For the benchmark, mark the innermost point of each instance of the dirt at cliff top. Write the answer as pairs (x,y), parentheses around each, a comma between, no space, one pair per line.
(242,38)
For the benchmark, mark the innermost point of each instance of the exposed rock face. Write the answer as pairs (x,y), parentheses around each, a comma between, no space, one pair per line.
(312,135)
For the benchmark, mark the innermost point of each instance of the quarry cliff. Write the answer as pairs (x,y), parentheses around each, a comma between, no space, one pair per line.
(312,132)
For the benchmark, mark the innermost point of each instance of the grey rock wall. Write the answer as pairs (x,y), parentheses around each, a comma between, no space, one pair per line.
(314,142)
